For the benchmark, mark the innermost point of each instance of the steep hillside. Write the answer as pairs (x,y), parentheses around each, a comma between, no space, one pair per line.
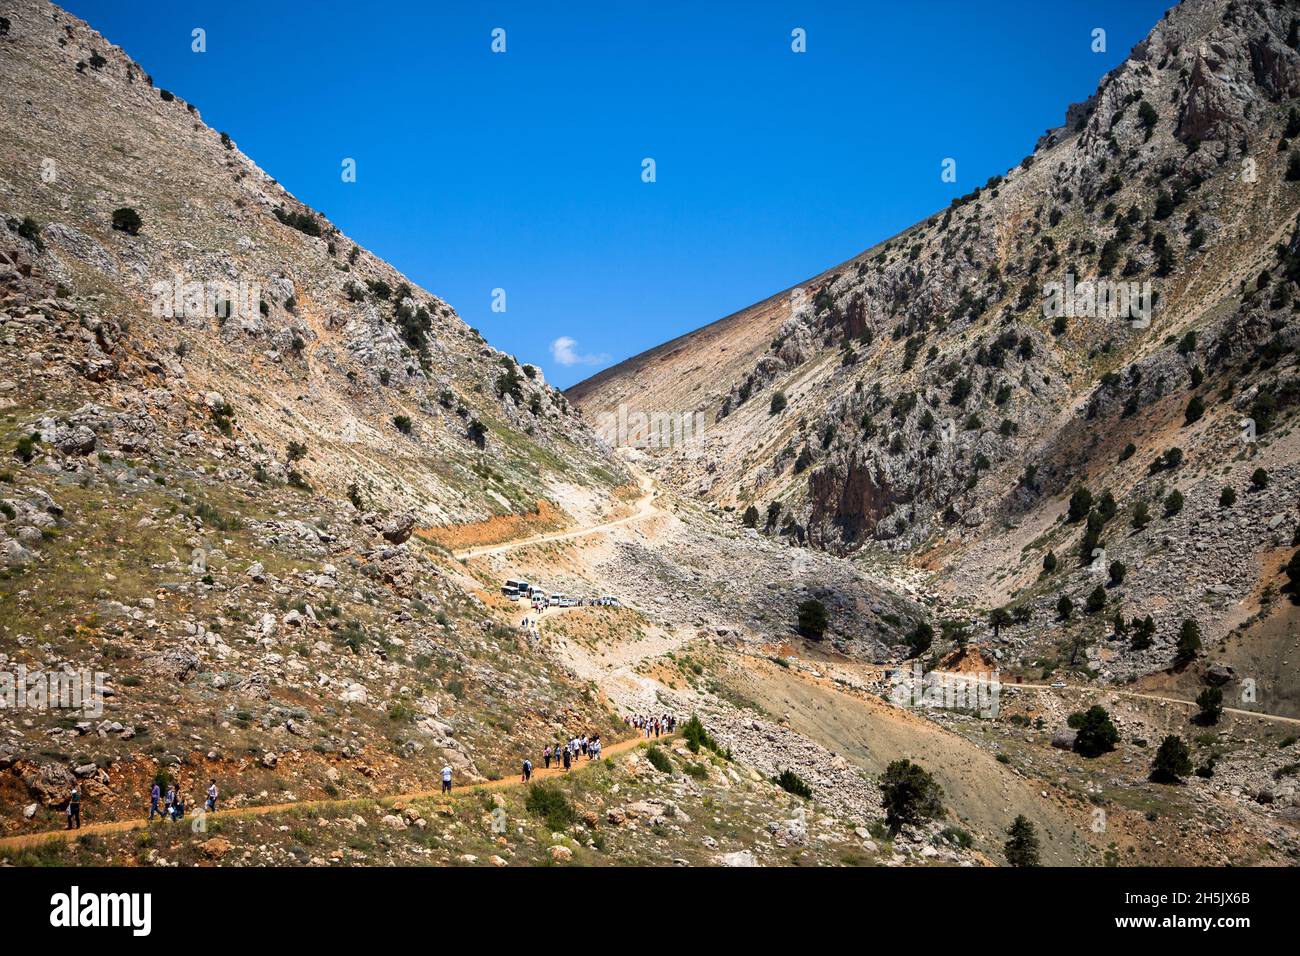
(261,490)
(939,397)
(234,295)
(221,423)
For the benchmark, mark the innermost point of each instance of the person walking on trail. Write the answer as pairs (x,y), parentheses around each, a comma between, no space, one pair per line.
(178,808)
(74,807)
(211,804)
(155,795)
(546,757)
(528,770)
(568,756)
(446,778)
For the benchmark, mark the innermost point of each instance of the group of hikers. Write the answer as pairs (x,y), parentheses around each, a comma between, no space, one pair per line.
(566,754)
(653,725)
(171,805)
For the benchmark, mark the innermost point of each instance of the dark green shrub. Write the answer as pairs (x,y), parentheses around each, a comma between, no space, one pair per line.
(813,619)
(1096,734)
(910,795)
(1172,762)
(551,804)
(1022,847)
(127,220)
(791,782)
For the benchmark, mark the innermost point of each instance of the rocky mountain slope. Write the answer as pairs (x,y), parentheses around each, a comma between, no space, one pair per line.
(222,424)
(250,294)
(927,402)
(266,489)
(238,453)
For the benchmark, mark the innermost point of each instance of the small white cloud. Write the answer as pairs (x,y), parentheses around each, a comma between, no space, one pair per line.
(564,351)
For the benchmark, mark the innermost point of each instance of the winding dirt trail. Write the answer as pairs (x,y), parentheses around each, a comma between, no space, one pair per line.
(25,840)
(645,507)
(1134,695)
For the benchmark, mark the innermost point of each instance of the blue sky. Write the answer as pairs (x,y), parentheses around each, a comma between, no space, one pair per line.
(522,170)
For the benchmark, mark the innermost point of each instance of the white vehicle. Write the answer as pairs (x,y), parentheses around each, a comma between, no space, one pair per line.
(515,586)
(510,593)
(1058,684)
(557,600)
(610,601)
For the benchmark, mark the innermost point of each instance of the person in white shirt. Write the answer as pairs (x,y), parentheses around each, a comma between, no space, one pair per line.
(446,779)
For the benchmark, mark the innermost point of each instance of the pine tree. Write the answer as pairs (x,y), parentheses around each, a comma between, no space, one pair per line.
(1022,848)
(1189,642)
(1210,702)
(1096,600)
(998,618)
(1096,734)
(910,795)
(1117,572)
(1143,630)
(1173,761)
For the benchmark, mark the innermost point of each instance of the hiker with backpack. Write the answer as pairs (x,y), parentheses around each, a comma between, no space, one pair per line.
(528,770)
(74,807)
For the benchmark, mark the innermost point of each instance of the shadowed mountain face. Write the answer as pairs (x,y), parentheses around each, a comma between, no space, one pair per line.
(1128,289)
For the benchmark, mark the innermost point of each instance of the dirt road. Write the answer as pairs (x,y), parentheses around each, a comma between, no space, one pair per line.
(645,507)
(122,826)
